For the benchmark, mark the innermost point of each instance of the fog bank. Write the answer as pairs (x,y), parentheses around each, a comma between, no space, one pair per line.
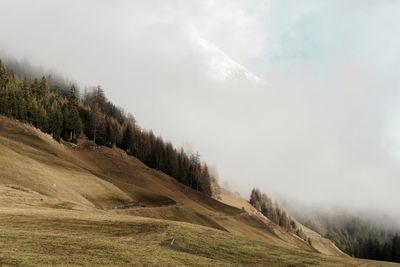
(299,98)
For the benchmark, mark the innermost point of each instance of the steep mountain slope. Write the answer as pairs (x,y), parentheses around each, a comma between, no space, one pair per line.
(48,189)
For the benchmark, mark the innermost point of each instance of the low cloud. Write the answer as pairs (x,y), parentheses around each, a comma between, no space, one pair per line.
(298,98)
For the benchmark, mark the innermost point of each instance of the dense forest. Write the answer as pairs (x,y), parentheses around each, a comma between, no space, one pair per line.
(56,107)
(273,212)
(371,248)
(356,235)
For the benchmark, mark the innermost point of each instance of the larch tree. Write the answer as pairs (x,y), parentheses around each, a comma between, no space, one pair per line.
(127,138)
(73,123)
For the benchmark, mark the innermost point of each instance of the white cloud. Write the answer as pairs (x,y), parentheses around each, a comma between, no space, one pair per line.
(296,97)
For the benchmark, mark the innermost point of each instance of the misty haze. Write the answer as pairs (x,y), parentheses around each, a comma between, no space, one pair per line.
(268,128)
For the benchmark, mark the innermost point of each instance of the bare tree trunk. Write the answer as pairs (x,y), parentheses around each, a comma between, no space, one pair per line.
(95,128)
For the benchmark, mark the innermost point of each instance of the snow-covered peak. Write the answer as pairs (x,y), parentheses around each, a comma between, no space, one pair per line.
(221,66)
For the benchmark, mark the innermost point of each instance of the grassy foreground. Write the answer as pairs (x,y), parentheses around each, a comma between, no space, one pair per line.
(37,237)
(59,207)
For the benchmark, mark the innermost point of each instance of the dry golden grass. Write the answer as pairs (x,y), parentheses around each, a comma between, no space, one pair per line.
(45,236)
(63,204)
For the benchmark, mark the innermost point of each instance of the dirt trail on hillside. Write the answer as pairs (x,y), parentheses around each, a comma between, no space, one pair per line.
(138,205)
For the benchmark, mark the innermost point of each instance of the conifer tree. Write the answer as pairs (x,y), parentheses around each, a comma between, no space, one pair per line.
(127,139)
(110,133)
(42,87)
(73,122)
(56,121)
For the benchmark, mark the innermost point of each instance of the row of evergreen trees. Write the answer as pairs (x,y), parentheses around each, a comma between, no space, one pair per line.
(355,233)
(67,116)
(371,248)
(272,211)
(360,238)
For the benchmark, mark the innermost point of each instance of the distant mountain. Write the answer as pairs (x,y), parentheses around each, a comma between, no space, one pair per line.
(223,67)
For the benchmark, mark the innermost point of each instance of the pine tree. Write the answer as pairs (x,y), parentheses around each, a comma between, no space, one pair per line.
(42,87)
(273,216)
(42,122)
(73,122)
(127,139)
(3,77)
(253,197)
(56,121)
(266,204)
(205,181)
(22,107)
(110,134)
(33,108)
(284,221)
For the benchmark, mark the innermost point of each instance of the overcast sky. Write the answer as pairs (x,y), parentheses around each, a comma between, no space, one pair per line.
(300,98)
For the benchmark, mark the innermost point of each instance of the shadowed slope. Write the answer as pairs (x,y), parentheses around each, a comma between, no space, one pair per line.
(39,175)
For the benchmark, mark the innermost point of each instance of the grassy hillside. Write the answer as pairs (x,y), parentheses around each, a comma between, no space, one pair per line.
(86,205)
(63,237)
